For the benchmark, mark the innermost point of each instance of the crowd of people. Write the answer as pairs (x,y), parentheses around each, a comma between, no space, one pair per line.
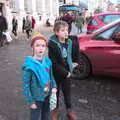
(28,25)
(77,19)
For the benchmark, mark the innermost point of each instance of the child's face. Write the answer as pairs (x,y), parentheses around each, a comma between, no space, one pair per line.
(39,48)
(62,33)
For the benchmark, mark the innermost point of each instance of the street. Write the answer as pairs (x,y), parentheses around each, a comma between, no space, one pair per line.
(95,98)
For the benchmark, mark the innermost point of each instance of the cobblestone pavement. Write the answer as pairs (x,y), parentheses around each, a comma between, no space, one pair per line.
(96,98)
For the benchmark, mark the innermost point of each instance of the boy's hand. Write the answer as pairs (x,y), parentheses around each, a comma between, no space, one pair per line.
(33,106)
(54,90)
(69,75)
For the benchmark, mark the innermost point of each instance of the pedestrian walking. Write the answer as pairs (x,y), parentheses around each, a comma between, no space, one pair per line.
(60,52)
(3,28)
(48,23)
(37,79)
(14,26)
(33,23)
(68,18)
(79,22)
(28,26)
(88,18)
(23,25)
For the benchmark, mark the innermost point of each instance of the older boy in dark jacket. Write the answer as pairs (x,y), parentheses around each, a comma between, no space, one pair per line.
(60,52)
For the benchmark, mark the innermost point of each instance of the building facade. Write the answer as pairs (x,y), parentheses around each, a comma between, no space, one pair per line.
(41,10)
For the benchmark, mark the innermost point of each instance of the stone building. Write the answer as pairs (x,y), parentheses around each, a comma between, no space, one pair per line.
(39,9)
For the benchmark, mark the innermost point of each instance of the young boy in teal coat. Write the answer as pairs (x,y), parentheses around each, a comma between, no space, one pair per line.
(37,79)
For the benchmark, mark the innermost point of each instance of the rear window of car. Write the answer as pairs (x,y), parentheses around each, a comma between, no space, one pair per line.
(93,22)
(109,18)
(106,35)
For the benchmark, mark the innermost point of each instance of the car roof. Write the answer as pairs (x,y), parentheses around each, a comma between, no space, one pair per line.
(106,26)
(109,13)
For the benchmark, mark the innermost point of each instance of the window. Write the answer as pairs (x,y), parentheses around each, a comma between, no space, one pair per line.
(101,17)
(93,22)
(107,34)
(117,34)
(13,6)
(109,18)
(118,30)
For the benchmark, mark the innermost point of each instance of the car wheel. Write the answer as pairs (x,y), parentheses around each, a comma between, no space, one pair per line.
(83,69)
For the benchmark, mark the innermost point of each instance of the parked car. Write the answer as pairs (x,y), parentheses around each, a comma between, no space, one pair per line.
(100,51)
(100,20)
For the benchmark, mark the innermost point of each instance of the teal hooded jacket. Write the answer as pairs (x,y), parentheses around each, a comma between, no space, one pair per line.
(36,76)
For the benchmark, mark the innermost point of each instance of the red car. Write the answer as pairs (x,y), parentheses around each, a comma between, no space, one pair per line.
(100,20)
(100,51)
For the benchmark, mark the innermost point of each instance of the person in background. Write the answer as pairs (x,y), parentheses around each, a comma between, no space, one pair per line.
(88,18)
(68,18)
(28,26)
(48,23)
(3,28)
(60,52)
(33,23)
(37,79)
(79,22)
(14,26)
(23,25)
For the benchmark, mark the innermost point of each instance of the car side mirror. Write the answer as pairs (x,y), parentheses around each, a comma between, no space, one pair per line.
(116,37)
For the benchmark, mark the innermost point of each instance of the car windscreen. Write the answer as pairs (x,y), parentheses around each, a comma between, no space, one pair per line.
(92,22)
(109,18)
(104,27)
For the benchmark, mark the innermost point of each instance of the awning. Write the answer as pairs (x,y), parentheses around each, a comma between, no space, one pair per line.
(69,8)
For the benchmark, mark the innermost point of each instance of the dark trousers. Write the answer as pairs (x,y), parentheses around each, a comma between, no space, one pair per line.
(42,112)
(14,30)
(1,38)
(23,28)
(65,86)
(28,33)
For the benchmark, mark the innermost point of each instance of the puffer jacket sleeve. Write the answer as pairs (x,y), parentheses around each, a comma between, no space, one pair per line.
(26,80)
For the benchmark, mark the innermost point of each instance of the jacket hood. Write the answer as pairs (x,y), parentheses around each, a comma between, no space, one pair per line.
(39,69)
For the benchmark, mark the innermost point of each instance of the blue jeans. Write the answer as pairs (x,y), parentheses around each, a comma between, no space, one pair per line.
(42,112)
